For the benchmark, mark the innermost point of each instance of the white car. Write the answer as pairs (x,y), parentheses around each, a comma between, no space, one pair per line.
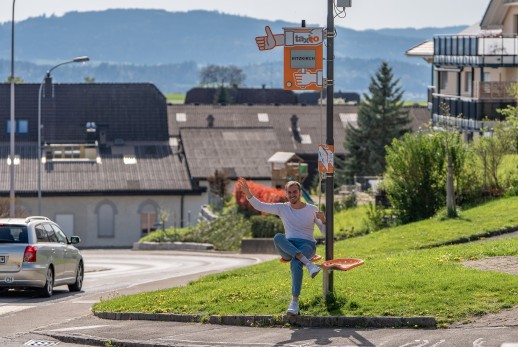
(36,254)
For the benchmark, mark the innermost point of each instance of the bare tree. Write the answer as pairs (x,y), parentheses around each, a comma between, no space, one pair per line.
(221,76)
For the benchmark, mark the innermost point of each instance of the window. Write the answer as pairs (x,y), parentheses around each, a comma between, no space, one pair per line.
(60,235)
(148,213)
(20,126)
(50,232)
(41,234)
(263,117)
(468,79)
(444,79)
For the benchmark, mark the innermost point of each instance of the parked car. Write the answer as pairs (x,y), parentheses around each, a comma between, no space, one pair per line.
(36,254)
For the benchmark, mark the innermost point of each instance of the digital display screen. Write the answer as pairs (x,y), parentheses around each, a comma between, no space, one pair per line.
(303,58)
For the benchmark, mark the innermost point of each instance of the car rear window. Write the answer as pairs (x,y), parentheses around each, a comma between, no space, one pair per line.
(13,234)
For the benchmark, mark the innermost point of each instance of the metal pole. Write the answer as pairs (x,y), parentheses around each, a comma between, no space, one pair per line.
(12,127)
(39,146)
(328,288)
(82,59)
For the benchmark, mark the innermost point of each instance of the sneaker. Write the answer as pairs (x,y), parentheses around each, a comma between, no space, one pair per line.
(313,269)
(282,260)
(293,309)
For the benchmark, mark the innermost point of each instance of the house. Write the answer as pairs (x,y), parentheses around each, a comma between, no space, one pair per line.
(116,158)
(109,170)
(473,70)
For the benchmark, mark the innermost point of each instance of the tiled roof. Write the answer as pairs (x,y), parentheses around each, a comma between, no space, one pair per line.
(131,112)
(311,122)
(238,152)
(158,169)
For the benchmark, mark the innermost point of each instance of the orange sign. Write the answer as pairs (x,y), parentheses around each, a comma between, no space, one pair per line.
(303,58)
(326,161)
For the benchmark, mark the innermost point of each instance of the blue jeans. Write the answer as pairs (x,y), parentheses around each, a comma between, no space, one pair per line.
(288,248)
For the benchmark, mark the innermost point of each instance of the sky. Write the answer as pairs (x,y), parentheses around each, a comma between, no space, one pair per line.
(364,14)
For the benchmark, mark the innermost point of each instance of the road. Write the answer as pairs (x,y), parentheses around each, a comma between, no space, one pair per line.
(117,272)
(108,273)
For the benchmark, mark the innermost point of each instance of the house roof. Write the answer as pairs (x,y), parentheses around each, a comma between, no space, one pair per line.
(495,14)
(124,111)
(157,168)
(242,152)
(310,122)
(134,153)
(242,96)
(282,157)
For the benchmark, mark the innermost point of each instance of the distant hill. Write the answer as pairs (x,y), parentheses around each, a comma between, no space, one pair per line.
(168,48)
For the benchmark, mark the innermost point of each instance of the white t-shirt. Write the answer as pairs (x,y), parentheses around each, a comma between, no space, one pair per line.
(298,223)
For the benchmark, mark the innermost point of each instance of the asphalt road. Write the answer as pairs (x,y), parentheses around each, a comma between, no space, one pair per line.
(65,319)
(108,273)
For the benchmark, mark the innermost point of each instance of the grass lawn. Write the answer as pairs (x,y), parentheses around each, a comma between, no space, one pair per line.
(403,275)
(175,98)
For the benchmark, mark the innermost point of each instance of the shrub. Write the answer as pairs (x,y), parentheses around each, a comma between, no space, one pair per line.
(264,194)
(265,226)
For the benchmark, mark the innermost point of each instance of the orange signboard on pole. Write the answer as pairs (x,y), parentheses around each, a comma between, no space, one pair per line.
(303,58)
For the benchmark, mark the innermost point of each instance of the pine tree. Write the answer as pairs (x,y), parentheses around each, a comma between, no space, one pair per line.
(381,118)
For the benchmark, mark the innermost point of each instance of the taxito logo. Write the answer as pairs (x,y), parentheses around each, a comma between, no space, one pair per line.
(307,39)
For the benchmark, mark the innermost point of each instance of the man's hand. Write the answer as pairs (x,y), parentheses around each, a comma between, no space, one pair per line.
(244,187)
(321,215)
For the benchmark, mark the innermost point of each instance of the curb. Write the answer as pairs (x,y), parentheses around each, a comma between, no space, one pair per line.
(425,322)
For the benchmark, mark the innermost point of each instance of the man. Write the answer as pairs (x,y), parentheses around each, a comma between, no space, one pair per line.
(298,245)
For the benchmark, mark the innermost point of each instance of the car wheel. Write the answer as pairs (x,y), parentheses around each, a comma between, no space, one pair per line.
(78,284)
(46,291)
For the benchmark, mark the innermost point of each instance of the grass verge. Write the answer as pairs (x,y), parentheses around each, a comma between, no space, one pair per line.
(401,277)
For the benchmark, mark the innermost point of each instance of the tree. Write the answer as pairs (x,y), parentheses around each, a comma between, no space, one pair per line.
(17,80)
(89,79)
(381,118)
(221,76)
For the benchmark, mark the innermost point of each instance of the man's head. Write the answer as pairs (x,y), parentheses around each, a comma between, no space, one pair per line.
(293,191)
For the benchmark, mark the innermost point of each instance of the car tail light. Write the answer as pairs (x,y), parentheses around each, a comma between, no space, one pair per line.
(29,256)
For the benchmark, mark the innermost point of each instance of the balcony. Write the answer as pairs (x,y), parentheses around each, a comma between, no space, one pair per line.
(469,113)
(472,50)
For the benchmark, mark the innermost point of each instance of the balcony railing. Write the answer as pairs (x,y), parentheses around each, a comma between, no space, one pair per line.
(469,112)
(476,50)
(493,91)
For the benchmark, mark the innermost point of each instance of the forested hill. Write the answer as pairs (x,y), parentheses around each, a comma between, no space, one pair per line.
(137,44)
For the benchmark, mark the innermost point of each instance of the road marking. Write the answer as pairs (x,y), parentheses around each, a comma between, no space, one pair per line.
(81,328)
(85,301)
(8,309)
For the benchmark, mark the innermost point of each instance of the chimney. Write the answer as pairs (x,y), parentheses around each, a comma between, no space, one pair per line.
(295,128)
(210,121)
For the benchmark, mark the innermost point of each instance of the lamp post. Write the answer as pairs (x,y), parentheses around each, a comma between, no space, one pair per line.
(82,59)
(12,126)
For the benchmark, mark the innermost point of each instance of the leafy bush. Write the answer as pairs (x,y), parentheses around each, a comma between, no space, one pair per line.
(415,177)
(264,194)
(265,226)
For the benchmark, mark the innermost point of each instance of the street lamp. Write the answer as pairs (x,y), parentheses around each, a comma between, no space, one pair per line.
(12,125)
(83,59)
